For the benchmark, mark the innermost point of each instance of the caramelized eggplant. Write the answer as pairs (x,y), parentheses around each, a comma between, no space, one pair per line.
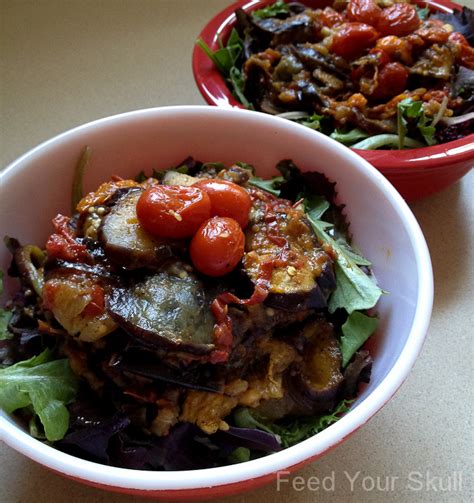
(126,243)
(315,384)
(165,310)
(283,251)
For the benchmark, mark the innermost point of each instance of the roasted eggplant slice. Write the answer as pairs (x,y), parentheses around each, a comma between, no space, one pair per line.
(316,383)
(145,364)
(283,252)
(165,310)
(126,243)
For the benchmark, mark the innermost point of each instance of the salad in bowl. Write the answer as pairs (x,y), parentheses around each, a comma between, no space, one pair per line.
(201,310)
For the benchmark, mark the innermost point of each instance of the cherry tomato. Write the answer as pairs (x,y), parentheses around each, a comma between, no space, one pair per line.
(433,31)
(173,211)
(400,19)
(217,246)
(330,17)
(465,53)
(382,56)
(352,39)
(396,47)
(62,243)
(392,80)
(227,199)
(363,11)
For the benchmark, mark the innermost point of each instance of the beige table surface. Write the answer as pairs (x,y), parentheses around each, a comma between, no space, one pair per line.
(66,62)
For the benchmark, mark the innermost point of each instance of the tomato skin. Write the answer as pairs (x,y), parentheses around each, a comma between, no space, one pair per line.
(227,199)
(352,39)
(62,243)
(97,305)
(331,17)
(173,211)
(400,19)
(392,81)
(382,56)
(363,11)
(218,246)
(465,52)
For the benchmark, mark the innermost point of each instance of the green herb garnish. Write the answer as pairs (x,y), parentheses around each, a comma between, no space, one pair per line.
(276,9)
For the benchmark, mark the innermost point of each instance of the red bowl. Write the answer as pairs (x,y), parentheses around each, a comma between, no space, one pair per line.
(415,173)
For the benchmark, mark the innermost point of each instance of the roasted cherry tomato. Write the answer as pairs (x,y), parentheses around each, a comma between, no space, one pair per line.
(400,19)
(218,246)
(173,211)
(352,39)
(382,56)
(396,47)
(227,199)
(330,17)
(465,53)
(392,80)
(363,11)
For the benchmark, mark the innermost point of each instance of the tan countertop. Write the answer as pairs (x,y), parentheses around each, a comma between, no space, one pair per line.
(64,63)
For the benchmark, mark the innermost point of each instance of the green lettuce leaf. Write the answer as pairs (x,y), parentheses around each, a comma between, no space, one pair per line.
(409,110)
(313,121)
(349,137)
(294,431)
(272,186)
(45,384)
(356,330)
(355,290)
(239,455)
(228,60)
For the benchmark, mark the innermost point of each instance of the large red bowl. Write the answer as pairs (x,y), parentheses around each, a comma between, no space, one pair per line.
(415,173)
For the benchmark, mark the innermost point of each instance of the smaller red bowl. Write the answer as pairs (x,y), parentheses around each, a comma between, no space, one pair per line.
(415,173)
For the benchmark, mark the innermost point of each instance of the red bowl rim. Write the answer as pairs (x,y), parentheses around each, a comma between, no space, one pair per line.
(214,90)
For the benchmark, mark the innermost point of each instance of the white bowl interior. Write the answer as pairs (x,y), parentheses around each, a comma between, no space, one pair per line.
(37,186)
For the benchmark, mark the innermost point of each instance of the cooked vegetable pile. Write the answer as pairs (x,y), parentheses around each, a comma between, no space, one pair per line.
(369,73)
(195,318)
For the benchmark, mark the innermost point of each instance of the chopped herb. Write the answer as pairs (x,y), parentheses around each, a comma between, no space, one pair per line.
(423,13)
(276,9)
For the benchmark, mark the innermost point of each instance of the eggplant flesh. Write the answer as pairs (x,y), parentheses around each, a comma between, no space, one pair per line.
(126,243)
(165,311)
(303,274)
(315,385)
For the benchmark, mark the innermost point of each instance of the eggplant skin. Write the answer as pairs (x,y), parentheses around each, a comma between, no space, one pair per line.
(315,384)
(165,311)
(126,243)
